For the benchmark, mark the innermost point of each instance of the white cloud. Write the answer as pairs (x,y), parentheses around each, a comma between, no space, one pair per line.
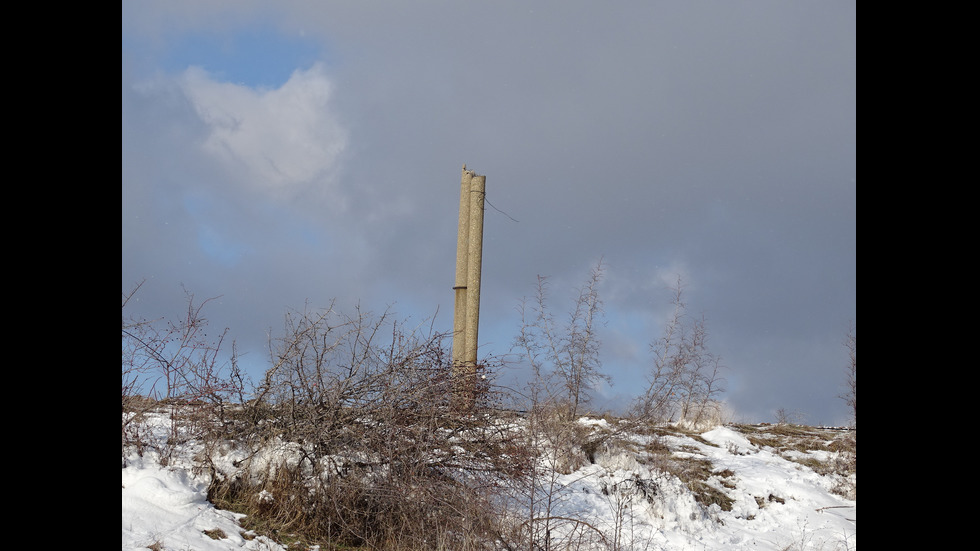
(275,139)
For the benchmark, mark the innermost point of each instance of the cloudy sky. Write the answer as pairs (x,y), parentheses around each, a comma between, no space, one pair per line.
(282,153)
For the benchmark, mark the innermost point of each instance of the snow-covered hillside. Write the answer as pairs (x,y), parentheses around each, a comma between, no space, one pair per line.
(730,487)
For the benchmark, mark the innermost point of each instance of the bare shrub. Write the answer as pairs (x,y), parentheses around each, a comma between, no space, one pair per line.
(786,417)
(176,364)
(380,458)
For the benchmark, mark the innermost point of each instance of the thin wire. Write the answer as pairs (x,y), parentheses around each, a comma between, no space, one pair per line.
(498,210)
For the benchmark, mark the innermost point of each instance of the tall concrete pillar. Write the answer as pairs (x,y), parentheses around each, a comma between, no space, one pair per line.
(469,266)
(474,267)
(462,254)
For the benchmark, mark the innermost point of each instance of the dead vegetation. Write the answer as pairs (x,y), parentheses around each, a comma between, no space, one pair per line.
(804,444)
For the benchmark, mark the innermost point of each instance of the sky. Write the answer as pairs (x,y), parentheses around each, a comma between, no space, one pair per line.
(278,155)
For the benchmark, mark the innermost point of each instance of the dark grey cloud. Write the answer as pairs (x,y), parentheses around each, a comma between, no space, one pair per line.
(716,140)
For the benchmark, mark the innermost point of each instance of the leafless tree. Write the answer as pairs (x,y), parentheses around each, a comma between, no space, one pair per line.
(850,394)
(565,369)
(703,380)
(569,352)
(658,401)
(686,377)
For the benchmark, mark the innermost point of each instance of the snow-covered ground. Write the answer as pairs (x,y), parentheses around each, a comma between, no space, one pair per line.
(776,503)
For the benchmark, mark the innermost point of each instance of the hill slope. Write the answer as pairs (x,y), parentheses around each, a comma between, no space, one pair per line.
(731,487)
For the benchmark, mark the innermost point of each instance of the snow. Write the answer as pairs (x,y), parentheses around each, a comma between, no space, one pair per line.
(168,505)
(776,503)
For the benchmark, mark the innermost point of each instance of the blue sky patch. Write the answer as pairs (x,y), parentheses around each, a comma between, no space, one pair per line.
(258,58)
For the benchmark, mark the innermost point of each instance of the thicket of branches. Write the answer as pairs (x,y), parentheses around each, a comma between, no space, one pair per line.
(359,408)
(367,403)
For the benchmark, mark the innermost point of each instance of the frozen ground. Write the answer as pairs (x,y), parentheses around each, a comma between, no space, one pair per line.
(773,498)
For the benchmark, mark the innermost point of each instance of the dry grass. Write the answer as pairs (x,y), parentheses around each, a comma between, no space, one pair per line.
(799,442)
